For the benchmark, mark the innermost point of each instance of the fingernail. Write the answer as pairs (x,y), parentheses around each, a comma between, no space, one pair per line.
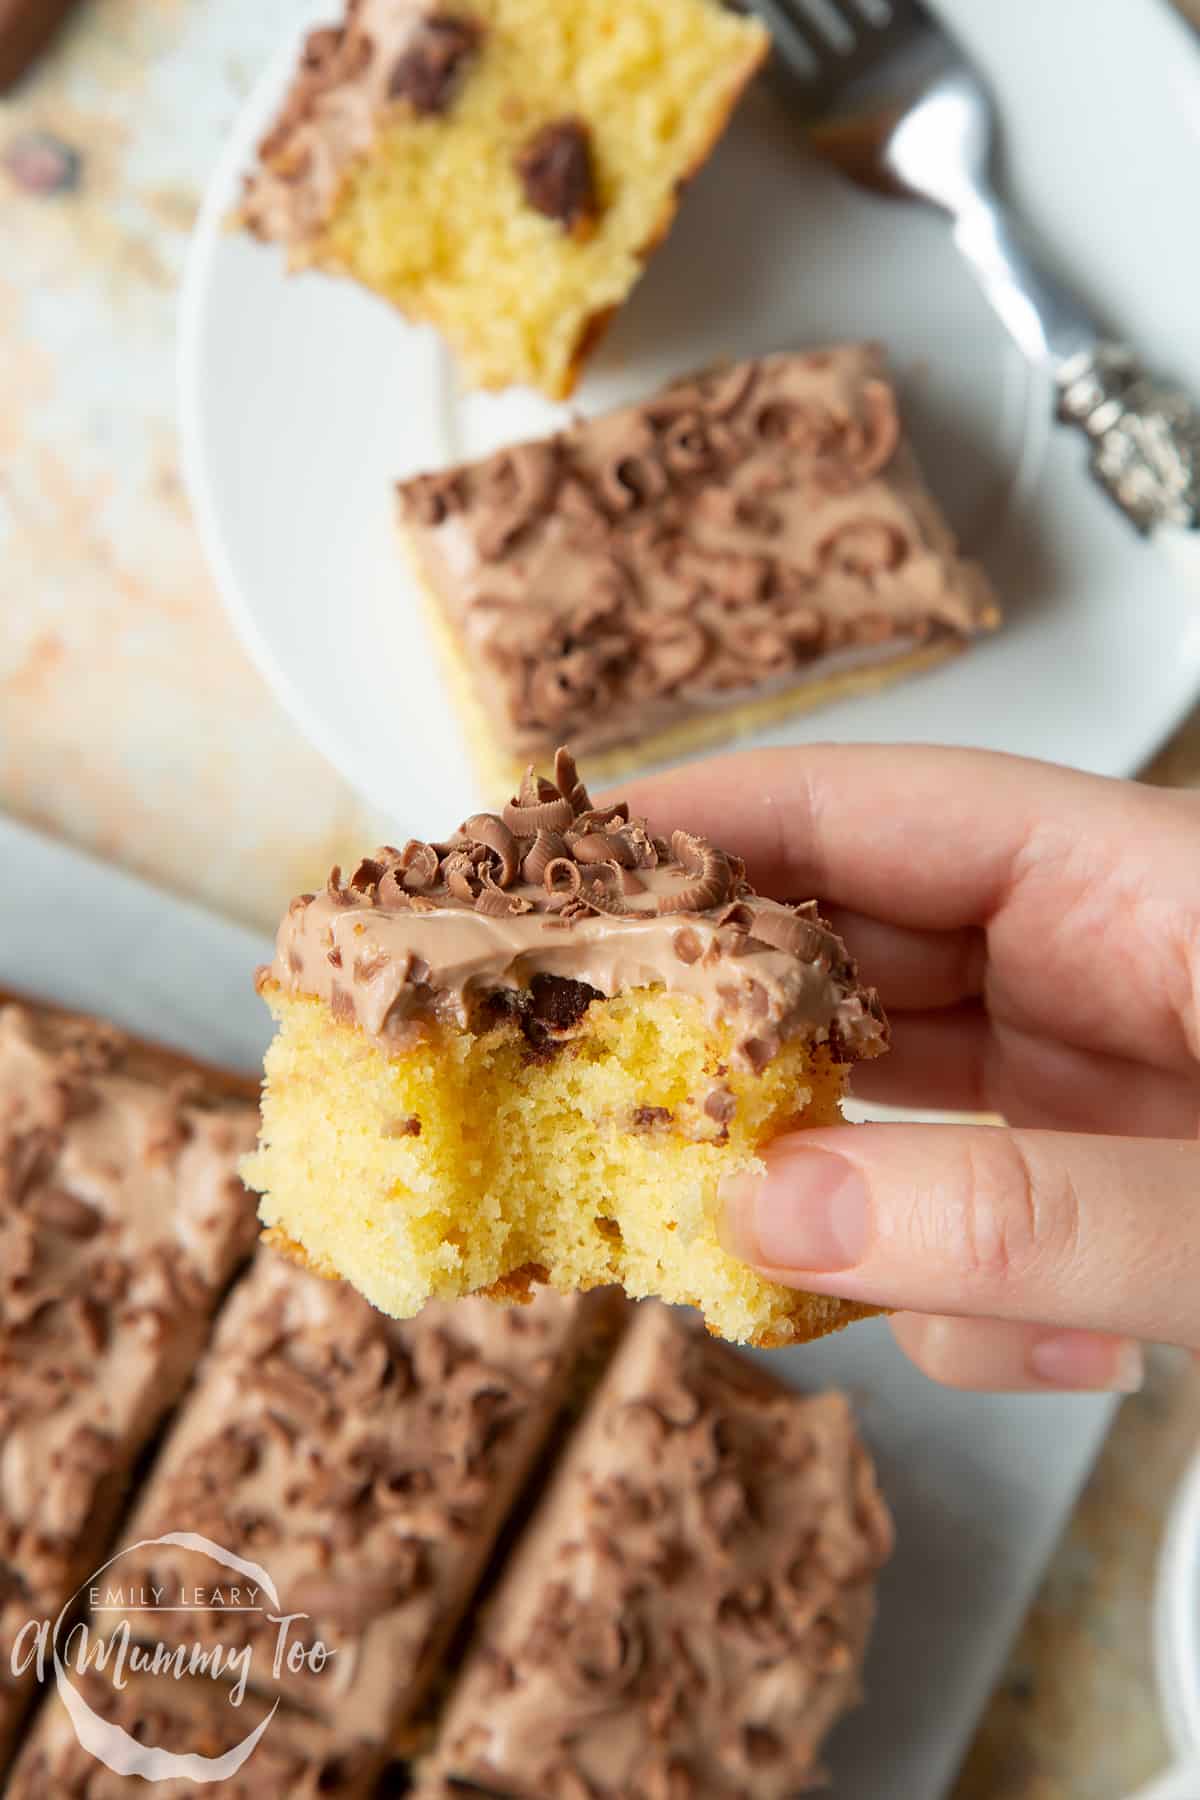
(1086,1359)
(809,1211)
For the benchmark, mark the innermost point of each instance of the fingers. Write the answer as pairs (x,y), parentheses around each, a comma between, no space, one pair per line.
(914,969)
(1096,1233)
(1000,1356)
(1087,888)
(958,1060)
(919,836)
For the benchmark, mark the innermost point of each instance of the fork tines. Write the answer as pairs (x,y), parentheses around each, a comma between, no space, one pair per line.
(827,43)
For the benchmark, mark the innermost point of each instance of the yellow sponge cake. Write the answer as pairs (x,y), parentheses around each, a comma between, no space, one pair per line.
(500,168)
(530,1053)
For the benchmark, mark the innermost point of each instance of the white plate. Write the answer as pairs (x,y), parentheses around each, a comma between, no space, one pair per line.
(981,1485)
(1177,1621)
(1177,1642)
(304,398)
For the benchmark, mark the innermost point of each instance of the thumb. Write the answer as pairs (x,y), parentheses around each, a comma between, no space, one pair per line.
(1097,1232)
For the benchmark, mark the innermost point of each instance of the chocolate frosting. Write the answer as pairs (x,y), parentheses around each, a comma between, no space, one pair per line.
(121,1219)
(736,534)
(297,1758)
(556,890)
(367,1464)
(688,1613)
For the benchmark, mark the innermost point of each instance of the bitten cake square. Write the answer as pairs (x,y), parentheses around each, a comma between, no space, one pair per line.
(748,543)
(501,169)
(688,1612)
(122,1218)
(368,1465)
(529,1054)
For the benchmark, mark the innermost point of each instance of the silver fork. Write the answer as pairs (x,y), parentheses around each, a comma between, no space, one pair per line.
(888,96)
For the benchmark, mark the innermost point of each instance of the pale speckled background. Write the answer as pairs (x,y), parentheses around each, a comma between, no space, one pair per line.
(130,720)
(132,723)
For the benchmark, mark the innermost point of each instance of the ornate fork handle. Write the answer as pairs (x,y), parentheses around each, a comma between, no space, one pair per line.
(1145,435)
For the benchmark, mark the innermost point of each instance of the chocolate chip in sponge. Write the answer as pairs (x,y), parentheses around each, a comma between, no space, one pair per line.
(530,1053)
(501,169)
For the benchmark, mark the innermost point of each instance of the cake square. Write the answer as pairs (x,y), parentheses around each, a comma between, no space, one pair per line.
(530,1053)
(367,1466)
(501,169)
(746,544)
(688,1611)
(295,1759)
(122,1218)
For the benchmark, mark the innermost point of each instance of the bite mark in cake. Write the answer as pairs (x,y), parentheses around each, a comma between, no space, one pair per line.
(537,1046)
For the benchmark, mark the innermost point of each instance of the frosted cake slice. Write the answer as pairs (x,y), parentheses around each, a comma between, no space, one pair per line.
(368,1465)
(122,1218)
(528,1054)
(743,545)
(686,1616)
(501,169)
(294,1759)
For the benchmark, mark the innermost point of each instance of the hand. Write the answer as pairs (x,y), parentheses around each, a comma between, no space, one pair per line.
(1035,937)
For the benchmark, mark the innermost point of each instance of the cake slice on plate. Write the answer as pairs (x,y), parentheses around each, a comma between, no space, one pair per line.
(744,545)
(500,168)
(529,1054)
